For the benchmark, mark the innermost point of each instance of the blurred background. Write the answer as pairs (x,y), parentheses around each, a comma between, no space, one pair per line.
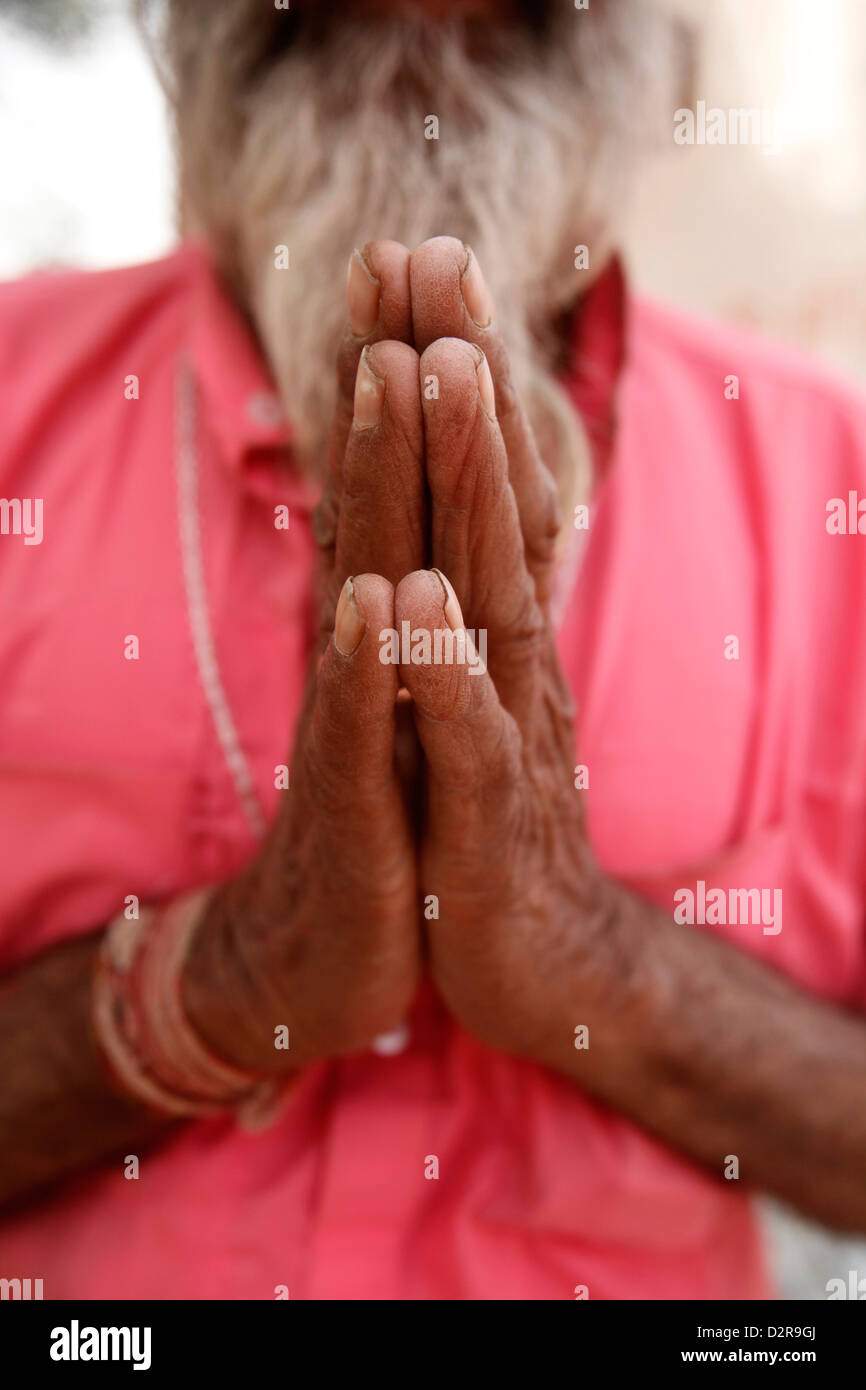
(773,238)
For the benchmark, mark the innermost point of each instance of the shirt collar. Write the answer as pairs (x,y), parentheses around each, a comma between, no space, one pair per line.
(241,402)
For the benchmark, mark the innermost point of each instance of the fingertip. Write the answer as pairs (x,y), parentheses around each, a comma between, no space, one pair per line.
(374,595)
(435,651)
(385,254)
(435,276)
(388,262)
(477,298)
(441,249)
(363,295)
(364,607)
(391,357)
(349,621)
(386,383)
(419,599)
(354,683)
(453,370)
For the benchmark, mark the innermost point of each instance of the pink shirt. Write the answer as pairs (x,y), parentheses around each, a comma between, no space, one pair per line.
(148,776)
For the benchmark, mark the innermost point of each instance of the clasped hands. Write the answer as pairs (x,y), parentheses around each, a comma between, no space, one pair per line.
(423,780)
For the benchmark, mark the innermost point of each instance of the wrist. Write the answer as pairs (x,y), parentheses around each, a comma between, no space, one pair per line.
(588,1023)
(221,990)
(142,1025)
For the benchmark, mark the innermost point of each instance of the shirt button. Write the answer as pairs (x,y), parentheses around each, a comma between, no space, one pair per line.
(389,1044)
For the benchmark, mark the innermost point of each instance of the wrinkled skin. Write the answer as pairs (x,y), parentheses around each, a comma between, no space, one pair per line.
(479,809)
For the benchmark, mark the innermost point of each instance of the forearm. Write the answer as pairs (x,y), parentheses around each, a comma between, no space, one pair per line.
(717,1055)
(59,1111)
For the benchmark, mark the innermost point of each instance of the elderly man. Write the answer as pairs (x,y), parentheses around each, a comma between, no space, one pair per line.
(337,962)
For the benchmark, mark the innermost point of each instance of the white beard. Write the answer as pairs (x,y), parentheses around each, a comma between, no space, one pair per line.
(536,148)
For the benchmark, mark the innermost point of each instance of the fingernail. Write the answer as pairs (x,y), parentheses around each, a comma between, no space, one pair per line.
(362,296)
(453,612)
(369,394)
(476,295)
(348,624)
(485,387)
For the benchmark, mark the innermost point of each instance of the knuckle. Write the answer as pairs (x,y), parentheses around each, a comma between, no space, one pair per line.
(543,535)
(523,635)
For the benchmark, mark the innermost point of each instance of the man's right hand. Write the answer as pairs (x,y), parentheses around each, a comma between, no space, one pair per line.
(321,932)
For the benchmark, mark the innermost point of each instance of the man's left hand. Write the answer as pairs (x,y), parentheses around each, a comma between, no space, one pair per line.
(504,850)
